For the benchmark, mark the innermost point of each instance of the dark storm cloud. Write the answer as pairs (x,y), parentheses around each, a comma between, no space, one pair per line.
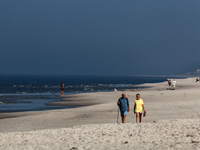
(98,37)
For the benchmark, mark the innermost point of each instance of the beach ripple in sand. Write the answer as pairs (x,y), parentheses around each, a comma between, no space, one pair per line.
(166,134)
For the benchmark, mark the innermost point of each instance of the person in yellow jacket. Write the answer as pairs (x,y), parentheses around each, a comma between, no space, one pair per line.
(138,108)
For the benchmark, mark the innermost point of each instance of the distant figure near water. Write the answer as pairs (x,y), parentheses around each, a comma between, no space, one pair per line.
(169,82)
(62,88)
(174,83)
(123,104)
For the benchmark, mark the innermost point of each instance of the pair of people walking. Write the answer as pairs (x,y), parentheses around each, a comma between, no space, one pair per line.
(124,107)
(174,83)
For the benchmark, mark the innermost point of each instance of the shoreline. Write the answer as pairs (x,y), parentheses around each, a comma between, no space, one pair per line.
(99,105)
(22,102)
(172,121)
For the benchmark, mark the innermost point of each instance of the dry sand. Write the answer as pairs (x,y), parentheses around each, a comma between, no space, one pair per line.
(172,121)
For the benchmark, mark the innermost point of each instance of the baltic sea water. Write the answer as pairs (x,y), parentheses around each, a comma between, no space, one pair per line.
(31,92)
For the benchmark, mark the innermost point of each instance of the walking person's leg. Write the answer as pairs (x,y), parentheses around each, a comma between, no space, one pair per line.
(118,115)
(137,117)
(123,115)
(124,119)
(140,117)
(62,92)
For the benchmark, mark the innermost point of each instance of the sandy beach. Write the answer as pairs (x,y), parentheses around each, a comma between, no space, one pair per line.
(172,121)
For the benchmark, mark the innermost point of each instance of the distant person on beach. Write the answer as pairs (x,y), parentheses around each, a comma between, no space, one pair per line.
(139,108)
(174,83)
(197,79)
(123,104)
(169,82)
(62,88)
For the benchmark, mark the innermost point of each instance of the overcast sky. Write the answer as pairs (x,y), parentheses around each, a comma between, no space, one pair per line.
(98,37)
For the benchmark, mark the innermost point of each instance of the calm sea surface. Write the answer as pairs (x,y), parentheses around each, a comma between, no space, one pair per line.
(31,93)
